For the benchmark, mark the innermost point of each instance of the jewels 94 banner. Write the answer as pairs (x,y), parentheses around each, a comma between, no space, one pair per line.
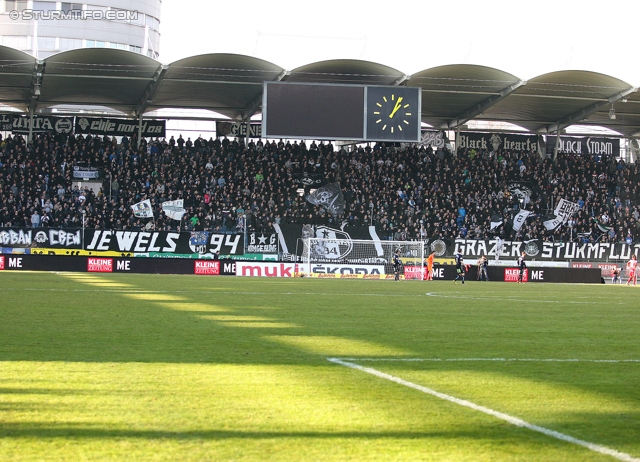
(201,242)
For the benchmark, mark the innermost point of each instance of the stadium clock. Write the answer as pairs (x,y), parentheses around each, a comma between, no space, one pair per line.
(393,114)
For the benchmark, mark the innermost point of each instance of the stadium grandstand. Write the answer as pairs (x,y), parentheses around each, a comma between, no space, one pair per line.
(408,191)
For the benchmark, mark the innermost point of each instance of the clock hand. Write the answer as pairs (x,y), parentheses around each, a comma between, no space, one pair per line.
(396,107)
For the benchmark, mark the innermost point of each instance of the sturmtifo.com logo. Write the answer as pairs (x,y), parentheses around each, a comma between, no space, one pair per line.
(41,15)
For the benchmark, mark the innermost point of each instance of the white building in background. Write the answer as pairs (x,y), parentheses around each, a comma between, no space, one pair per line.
(43,27)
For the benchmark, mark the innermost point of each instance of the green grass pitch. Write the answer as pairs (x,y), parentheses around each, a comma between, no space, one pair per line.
(193,368)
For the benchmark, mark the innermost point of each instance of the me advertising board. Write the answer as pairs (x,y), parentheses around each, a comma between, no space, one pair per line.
(437,273)
(545,274)
(85,264)
(228,268)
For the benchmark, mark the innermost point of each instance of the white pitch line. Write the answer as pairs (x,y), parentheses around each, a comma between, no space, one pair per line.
(324,294)
(500,415)
(541,360)
(510,299)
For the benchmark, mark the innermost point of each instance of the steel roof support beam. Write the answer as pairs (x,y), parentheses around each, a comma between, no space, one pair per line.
(36,83)
(481,107)
(584,113)
(400,80)
(254,105)
(101,77)
(150,91)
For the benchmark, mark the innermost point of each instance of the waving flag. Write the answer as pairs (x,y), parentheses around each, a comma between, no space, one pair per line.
(328,197)
(496,220)
(143,209)
(552,222)
(519,219)
(565,210)
(174,209)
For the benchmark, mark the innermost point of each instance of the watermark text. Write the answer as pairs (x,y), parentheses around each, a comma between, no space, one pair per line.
(40,15)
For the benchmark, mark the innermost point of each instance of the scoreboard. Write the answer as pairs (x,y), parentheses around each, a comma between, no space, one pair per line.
(341,112)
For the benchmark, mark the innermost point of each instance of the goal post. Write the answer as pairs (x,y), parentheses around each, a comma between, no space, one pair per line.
(320,257)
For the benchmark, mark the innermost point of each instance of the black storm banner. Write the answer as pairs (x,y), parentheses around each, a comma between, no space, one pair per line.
(498,141)
(584,145)
(119,127)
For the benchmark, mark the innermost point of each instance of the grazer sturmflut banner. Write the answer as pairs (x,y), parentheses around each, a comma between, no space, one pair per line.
(544,251)
(119,127)
(584,145)
(498,141)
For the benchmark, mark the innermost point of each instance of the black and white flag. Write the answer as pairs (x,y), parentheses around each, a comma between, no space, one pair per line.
(552,222)
(328,197)
(496,220)
(565,210)
(519,219)
(174,209)
(143,209)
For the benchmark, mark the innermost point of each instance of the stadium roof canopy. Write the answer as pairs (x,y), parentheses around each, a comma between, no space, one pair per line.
(231,85)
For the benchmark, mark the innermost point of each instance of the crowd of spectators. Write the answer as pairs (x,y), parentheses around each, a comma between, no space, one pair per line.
(408,192)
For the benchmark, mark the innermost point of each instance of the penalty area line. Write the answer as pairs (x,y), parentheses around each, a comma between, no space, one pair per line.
(510,299)
(500,415)
(537,360)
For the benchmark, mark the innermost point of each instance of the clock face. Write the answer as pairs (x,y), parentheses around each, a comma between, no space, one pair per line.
(393,113)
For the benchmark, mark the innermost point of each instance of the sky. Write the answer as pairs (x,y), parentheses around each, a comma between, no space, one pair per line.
(524,38)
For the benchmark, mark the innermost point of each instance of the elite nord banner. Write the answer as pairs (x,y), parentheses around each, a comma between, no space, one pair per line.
(119,127)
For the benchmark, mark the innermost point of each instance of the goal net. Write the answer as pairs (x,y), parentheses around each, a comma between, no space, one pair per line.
(359,258)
